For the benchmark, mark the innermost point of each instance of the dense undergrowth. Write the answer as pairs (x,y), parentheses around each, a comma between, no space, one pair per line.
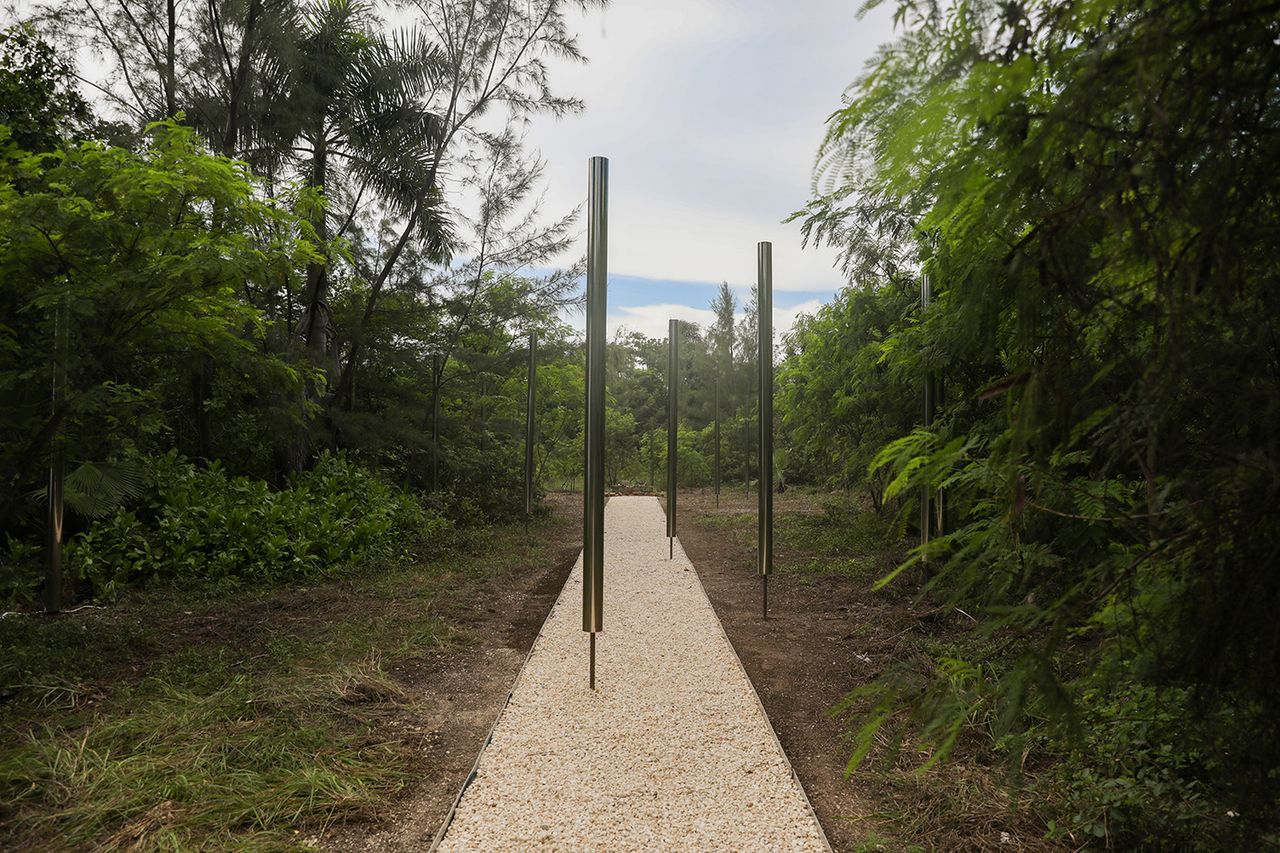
(1134,764)
(200,525)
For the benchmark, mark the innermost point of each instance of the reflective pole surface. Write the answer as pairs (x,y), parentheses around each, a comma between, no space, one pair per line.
(764,325)
(673,415)
(435,421)
(716,462)
(529,424)
(926,297)
(593,491)
(57,467)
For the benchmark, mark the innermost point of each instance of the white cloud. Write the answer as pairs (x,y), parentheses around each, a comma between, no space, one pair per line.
(651,320)
(784,319)
(711,113)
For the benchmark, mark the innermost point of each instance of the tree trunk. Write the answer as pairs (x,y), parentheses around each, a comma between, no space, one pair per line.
(170,75)
(201,395)
(315,325)
(346,378)
(240,80)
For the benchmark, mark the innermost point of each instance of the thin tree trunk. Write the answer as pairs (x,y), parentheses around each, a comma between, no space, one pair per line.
(201,395)
(346,378)
(170,62)
(240,80)
(315,326)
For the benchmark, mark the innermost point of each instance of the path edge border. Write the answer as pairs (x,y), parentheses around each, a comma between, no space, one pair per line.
(755,694)
(438,838)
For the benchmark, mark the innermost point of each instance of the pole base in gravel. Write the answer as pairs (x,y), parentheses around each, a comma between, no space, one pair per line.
(672,752)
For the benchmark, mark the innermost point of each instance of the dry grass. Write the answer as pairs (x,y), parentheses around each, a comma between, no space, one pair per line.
(188,720)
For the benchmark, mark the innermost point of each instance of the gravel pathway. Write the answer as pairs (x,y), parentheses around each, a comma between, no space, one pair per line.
(672,751)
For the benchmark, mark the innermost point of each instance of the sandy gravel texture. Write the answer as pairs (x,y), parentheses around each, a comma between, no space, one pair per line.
(672,751)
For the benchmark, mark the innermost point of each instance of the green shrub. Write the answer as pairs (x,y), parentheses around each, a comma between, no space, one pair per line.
(845,528)
(20,574)
(483,485)
(200,524)
(1145,772)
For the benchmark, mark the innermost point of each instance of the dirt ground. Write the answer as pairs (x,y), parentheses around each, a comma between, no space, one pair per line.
(458,692)
(826,635)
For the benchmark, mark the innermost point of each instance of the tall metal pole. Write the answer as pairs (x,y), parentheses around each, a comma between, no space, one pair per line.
(716,463)
(926,509)
(764,326)
(57,466)
(593,485)
(673,414)
(435,422)
(529,425)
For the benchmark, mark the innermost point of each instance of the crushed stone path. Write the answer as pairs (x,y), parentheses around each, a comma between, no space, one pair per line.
(672,751)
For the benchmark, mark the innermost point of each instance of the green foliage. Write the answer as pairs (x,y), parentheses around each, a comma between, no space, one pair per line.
(38,99)
(1086,186)
(1142,770)
(203,525)
(840,398)
(132,258)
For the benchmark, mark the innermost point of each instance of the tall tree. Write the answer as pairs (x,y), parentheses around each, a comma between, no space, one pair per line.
(722,336)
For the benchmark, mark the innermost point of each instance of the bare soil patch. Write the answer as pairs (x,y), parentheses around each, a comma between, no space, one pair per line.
(456,693)
(826,635)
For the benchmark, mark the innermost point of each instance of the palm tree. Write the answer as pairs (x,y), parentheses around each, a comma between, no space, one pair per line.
(359,108)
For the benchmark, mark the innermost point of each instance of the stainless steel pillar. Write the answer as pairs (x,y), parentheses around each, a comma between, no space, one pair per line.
(764,326)
(593,491)
(57,465)
(435,421)
(715,474)
(530,424)
(926,508)
(673,421)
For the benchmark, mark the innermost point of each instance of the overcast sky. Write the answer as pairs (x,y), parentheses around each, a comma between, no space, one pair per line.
(710,112)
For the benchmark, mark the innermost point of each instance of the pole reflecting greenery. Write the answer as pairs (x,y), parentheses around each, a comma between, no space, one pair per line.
(764,327)
(715,474)
(926,508)
(593,492)
(57,463)
(529,424)
(435,422)
(673,415)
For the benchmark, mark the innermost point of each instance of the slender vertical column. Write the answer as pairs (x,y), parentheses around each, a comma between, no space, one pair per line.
(593,491)
(716,461)
(764,326)
(529,424)
(673,416)
(926,497)
(435,421)
(57,465)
